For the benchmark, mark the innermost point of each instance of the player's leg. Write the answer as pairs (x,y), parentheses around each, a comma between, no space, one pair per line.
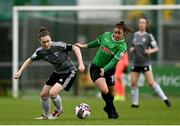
(64,82)
(114,113)
(110,83)
(150,79)
(134,89)
(45,102)
(106,95)
(56,99)
(101,84)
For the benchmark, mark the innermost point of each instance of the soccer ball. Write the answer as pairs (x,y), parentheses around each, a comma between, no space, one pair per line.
(82,111)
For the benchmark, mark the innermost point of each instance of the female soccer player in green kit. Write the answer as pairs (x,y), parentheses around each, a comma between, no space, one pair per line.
(112,47)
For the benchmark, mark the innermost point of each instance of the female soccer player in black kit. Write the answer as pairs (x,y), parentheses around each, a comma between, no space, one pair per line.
(143,44)
(56,53)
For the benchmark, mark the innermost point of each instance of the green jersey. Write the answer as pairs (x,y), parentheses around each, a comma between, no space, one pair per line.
(110,51)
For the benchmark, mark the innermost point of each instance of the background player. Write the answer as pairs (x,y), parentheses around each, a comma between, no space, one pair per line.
(143,44)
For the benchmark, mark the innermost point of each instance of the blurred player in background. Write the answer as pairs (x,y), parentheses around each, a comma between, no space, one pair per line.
(143,44)
(112,47)
(121,69)
(56,53)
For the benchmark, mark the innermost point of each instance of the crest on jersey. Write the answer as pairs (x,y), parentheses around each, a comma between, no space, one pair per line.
(143,39)
(56,54)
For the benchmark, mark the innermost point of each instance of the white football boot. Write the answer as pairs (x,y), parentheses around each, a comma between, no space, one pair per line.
(55,114)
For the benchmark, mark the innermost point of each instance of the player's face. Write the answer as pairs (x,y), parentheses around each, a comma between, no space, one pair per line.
(45,41)
(118,34)
(142,24)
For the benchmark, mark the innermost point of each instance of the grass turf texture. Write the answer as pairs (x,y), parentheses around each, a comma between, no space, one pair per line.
(152,111)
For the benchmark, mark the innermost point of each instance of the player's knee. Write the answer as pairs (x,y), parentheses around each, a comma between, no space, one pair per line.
(151,84)
(44,95)
(53,93)
(133,84)
(104,90)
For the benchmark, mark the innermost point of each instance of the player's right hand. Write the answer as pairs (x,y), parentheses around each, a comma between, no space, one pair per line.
(81,67)
(17,75)
(132,49)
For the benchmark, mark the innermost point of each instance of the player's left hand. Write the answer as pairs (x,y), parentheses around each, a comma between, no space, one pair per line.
(81,67)
(102,72)
(147,51)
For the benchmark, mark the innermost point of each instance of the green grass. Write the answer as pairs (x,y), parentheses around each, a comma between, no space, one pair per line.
(152,111)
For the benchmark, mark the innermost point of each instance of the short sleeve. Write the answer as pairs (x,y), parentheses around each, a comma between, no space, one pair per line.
(36,56)
(153,41)
(67,47)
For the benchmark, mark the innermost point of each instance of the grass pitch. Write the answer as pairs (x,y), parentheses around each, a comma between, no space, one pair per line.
(152,111)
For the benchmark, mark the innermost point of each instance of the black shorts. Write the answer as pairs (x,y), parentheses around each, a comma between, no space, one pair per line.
(140,69)
(108,75)
(65,79)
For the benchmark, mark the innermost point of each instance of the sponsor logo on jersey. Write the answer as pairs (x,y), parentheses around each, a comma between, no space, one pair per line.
(105,49)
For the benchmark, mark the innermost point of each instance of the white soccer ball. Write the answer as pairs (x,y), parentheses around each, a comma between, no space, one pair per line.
(82,111)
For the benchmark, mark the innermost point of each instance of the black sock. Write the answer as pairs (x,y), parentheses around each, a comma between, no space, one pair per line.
(108,98)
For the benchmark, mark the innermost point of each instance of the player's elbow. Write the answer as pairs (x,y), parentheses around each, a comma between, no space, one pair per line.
(75,48)
(157,49)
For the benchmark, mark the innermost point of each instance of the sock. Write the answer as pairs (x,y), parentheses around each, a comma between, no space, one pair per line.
(160,92)
(135,95)
(108,98)
(45,106)
(57,101)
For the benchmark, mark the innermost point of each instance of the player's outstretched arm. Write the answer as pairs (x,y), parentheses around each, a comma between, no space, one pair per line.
(23,67)
(77,51)
(81,45)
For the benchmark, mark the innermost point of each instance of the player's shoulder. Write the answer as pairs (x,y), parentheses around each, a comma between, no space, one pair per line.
(150,35)
(39,49)
(59,43)
(136,33)
(123,45)
(144,34)
(107,33)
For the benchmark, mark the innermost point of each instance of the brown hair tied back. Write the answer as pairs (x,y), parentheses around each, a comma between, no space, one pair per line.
(122,25)
(121,22)
(43,32)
